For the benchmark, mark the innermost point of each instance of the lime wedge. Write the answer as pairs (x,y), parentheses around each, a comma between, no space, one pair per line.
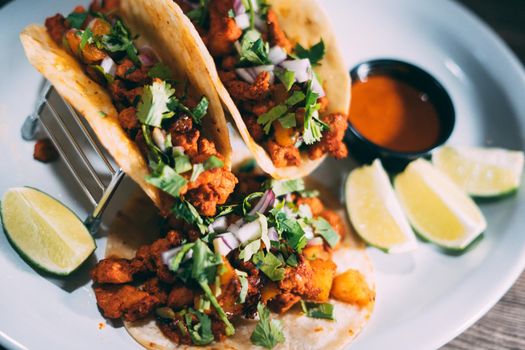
(481,172)
(45,232)
(437,208)
(375,211)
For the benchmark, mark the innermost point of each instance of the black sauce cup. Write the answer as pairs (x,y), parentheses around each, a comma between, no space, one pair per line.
(366,151)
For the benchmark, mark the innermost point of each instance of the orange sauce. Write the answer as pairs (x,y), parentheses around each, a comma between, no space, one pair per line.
(393,114)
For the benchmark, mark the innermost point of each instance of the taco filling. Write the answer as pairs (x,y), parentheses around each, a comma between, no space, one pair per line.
(270,250)
(160,114)
(272,81)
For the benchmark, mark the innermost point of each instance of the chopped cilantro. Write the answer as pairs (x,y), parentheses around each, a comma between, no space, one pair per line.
(167,179)
(160,71)
(246,203)
(250,249)
(282,187)
(243,279)
(254,51)
(292,260)
(187,212)
(200,110)
(109,78)
(182,163)
(288,121)
(212,163)
(199,14)
(85,38)
(270,265)
(293,232)
(313,127)
(297,96)
(272,115)
(77,19)
(315,54)
(318,310)
(287,77)
(153,105)
(200,331)
(325,230)
(267,333)
(119,40)
(197,170)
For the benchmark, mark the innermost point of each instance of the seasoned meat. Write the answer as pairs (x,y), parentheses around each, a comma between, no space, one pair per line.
(113,270)
(157,288)
(187,140)
(283,156)
(211,188)
(283,302)
(180,297)
(335,221)
(182,125)
(57,26)
(206,150)
(275,34)
(241,90)
(45,151)
(298,280)
(332,141)
(104,6)
(127,70)
(128,120)
(223,30)
(124,96)
(255,129)
(126,302)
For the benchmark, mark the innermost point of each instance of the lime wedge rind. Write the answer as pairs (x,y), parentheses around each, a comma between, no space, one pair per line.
(368,191)
(80,244)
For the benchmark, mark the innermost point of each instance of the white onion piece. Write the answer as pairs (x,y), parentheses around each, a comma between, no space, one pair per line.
(315,241)
(159,137)
(301,69)
(230,239)
(317,87)
(246,74)
(238,7)
(109,66)
(277,54)
(308,232)
(147,56)
(242,20)
(273,235)
(220,224)
(249,232)
(221,247)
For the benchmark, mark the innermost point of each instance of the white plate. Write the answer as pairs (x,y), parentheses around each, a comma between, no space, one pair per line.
(424,299)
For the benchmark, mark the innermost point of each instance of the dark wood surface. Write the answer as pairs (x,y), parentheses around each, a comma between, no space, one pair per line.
(504,326)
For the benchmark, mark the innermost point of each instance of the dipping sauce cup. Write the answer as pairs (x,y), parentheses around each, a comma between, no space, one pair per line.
(398,113)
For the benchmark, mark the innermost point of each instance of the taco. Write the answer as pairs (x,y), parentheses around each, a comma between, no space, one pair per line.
(145,95)
(279,72)
(277,268)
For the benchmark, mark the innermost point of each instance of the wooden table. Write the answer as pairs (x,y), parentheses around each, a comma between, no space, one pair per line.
(504,326)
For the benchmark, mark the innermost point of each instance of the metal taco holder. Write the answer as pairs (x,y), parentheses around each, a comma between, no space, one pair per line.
(77,145)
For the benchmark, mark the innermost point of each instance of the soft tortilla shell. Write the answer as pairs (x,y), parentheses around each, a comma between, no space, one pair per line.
(304,22)
(165,28)
(126,234)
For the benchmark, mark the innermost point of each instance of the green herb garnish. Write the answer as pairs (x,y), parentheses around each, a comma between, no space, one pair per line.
(325,230)
(315,54)
(267,333)
(153,106)
(318,310)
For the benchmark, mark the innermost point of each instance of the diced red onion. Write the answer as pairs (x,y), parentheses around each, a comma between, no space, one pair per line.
(249,232)
(264,203)
(147,56)
(230,239)
(220,224)
(317,87)
(273,235)
(250,74)
(225,243)
(246,74)
(277,54)
(315,241)
(242,20)
(300,67)
(109,66)
(238,7)
(159,137)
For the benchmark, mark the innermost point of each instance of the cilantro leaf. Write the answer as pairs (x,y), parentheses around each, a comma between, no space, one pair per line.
(270,265)
(297,96)
(87,36)
(243,279)
(288,121)
(267,333)
(199,14)
(287,77)
(325,230)
(187,212)
(250,249)
(318,310)
(272,115)
(77,19)
(160,71)
(292,232)
(313,127)
(212,163)
(200,332)
(197,170)
(153,105)
(182,163)
(292,260)
(167,180)
(282,187)
(119,40)
(315,54)
(200,110)
(254,51)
